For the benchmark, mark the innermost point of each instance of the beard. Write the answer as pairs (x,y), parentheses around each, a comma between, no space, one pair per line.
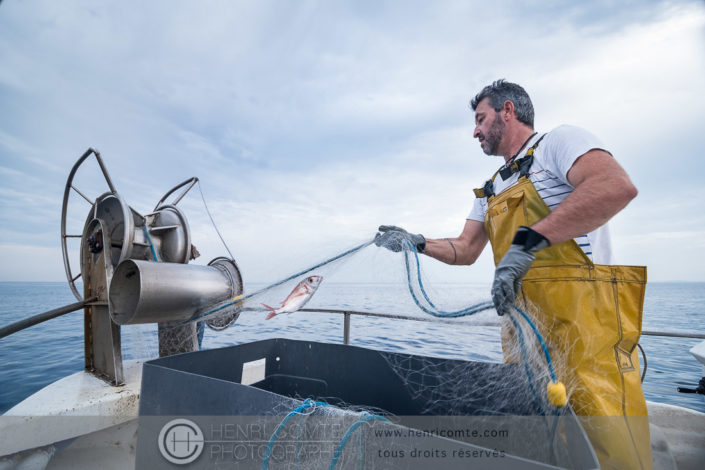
(494,136)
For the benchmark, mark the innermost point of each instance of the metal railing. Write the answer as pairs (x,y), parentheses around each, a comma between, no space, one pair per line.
(25,323)
(348,313)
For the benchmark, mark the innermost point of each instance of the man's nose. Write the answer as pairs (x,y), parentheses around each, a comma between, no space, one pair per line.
(476,133)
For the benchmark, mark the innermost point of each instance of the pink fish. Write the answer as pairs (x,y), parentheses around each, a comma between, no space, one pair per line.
(301,294)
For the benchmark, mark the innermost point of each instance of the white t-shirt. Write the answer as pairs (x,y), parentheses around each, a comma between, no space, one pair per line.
(553,157)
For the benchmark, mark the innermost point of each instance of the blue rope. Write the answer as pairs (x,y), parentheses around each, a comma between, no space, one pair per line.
(527,368)
(363,419)
(537,401)
(436,312)
(361,450)
(149,239)
(541,341)
(308,403)
(229,303)
(556,413)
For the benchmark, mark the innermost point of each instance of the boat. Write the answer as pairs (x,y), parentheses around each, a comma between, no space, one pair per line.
(238,406)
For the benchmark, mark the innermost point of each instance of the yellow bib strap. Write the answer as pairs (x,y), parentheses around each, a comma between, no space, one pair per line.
(523,165)
(488,189)
(479,192)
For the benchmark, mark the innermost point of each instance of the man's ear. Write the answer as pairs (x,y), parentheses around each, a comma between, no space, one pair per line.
(507,110)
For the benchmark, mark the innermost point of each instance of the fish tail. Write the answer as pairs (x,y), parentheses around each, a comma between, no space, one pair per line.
(272,312)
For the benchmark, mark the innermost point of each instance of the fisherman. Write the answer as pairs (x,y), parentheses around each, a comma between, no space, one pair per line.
(545,213)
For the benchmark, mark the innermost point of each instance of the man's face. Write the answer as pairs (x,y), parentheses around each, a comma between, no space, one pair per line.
(489,127)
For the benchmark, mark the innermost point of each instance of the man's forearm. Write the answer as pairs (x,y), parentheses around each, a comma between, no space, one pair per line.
(443,249)
(456,251)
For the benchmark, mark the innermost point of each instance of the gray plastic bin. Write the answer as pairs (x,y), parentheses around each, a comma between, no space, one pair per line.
(383,410)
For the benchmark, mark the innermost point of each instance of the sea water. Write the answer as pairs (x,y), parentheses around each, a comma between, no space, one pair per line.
(39,355)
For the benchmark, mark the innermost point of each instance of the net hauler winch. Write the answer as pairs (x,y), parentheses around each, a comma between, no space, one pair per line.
(135,269)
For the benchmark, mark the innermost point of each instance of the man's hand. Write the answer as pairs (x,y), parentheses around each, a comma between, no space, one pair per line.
(514,266)
(392,238)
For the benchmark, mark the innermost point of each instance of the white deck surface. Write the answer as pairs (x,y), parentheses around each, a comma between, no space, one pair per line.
(76,405)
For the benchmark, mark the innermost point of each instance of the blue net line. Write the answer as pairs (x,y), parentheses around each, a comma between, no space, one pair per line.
(308,403)
(555,411)
(409,247)
(527,367)
(366,417)
(433,310)
(546,354)
(149,239)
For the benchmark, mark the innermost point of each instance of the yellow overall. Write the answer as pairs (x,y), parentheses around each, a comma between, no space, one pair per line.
(590,318)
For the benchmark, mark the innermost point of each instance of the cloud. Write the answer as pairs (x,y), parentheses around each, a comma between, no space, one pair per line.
(310,123)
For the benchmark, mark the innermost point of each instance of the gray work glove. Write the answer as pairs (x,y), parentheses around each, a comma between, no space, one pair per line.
(392,237)
(514,266)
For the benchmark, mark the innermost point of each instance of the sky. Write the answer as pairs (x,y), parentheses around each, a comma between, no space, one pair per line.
(310,123)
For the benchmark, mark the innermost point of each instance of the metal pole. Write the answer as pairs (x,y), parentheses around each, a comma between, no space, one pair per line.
(42,317)
(492,323)
(674,334)
(346,328)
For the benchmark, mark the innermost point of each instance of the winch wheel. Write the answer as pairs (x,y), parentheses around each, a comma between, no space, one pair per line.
(64,209)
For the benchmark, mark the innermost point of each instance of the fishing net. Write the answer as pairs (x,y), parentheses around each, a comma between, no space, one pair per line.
(460,395)
(439,344)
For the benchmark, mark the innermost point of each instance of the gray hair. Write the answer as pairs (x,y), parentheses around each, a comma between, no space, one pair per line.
(501,91)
